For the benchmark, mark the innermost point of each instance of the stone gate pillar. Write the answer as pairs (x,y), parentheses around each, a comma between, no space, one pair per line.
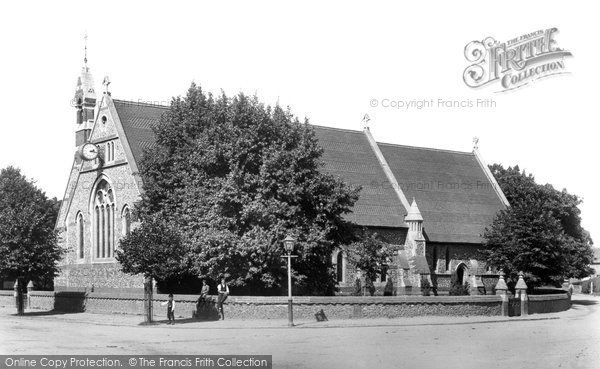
(521,291)
(501,289)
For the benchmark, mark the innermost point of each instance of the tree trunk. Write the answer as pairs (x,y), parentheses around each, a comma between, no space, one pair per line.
(148,315)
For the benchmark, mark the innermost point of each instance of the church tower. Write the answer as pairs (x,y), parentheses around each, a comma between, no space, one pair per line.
(84,102)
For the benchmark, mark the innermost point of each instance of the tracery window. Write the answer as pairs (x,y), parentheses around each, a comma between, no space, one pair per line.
(104,221)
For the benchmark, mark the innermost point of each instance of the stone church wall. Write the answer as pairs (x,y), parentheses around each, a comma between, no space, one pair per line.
(88,272)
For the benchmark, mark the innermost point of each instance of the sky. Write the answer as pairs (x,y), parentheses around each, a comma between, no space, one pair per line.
(332,62)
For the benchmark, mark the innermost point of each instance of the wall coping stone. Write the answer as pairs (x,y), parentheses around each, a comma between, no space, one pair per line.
(549,297)
(278,300)
(308,300)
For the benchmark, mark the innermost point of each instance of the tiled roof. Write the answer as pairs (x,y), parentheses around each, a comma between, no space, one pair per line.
(347,155)
(137,120)
(419,264)
(455,197)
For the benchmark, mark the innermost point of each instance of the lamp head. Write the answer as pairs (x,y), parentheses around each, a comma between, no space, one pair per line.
(288,244)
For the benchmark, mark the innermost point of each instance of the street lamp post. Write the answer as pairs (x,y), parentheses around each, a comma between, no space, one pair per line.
(288,244)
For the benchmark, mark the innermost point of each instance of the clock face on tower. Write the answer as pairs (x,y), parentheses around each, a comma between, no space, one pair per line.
(89,151)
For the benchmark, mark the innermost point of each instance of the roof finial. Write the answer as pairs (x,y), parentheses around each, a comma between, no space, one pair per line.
(85,38)
(475,143)
(366,120)
(106,82)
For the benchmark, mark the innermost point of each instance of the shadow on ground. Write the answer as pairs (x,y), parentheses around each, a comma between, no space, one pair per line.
(179,321)
(46,313)
(584,302)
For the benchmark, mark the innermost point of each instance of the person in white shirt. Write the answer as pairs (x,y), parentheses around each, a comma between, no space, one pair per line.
(223,291)
(170,309)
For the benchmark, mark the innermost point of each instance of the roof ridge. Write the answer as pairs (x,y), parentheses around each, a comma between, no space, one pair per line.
(335,128)
(392,144)
(142,103)
(426,148)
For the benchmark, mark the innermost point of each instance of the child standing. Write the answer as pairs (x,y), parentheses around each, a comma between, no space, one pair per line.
(170,309)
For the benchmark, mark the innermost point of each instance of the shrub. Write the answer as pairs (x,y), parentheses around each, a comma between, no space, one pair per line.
(425,286)
(389,288)
(357,288)
(585,286)
(457,288)
(370,286)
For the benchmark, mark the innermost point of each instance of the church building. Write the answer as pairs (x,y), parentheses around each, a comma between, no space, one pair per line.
(432,204)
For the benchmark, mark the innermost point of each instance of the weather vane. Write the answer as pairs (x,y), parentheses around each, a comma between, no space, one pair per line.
(475,143)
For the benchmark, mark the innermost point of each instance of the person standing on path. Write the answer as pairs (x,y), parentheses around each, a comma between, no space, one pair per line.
(223,291)
(170,309)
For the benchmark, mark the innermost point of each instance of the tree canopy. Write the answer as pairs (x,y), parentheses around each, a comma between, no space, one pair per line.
(28,242)
(370,254)
(540,233)
(230,178)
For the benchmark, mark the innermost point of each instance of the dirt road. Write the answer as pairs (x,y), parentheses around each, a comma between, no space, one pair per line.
(565,340)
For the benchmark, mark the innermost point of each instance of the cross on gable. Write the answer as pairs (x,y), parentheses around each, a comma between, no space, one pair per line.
(106,82)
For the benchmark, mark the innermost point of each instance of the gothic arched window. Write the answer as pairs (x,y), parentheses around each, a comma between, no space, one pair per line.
(80,236)
(126,221)
(340,266)
(104,222)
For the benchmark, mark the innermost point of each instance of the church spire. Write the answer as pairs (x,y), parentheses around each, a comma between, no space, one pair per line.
(85,67)
(84,101)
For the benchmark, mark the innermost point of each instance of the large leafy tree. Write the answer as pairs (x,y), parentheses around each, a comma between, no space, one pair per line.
(28,245)
(232,178)
(540,233)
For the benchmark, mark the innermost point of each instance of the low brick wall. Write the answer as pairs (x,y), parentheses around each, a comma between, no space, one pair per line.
(540,304)
(252,307)
(365,307)
(305,307)
(7,298)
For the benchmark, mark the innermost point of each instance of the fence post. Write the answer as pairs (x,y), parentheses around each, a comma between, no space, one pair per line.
(521,289)
(501,290)
(29,289)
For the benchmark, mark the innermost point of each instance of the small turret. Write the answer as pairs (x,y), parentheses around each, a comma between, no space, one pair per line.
(414,220)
